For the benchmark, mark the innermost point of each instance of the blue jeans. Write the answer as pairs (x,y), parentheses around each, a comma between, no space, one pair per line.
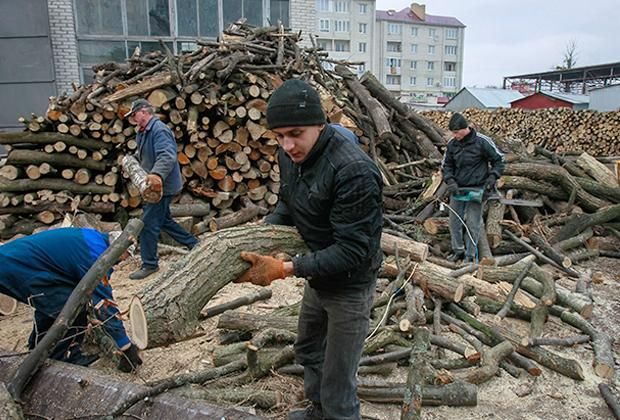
(471,213)
(331,333)
(69,346)
(157,218)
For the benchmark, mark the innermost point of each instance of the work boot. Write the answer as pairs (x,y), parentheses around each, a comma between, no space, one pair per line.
(312,412)
(456,256)
(143,273)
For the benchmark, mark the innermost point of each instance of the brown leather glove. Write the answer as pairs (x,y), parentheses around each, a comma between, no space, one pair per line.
(264,269)
(155,189)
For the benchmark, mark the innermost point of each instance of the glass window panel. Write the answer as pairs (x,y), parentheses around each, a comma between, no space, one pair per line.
(279,12)
(99,17)
(232,11)
(187,18)
(253,12)
(209,19)
(154,46)
(159,18)
(137,21)
(88,75)
(94,52)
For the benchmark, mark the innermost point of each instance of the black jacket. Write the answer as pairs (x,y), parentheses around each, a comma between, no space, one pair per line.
(334,199)
(470,161)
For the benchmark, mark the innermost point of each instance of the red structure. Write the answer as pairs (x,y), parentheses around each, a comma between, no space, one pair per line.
(551,100)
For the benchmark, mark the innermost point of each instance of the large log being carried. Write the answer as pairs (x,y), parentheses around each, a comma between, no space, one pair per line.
(173,301)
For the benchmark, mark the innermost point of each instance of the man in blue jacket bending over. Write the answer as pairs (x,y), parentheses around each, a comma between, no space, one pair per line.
(42,270)
(157,154)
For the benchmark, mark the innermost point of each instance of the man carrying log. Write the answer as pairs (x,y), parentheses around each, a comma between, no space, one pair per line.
(332,193)
(471,165)
(41,270)
(157,154)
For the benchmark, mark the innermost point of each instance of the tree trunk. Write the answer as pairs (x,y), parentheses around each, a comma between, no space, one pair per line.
(456,394)
(173,302)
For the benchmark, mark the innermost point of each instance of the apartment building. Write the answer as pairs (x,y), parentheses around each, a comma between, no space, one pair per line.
(419,56)
(345,29)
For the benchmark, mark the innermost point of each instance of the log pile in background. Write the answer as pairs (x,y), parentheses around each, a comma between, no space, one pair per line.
(214,100)
(557,129)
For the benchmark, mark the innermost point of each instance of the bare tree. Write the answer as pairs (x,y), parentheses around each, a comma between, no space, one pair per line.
(570,55)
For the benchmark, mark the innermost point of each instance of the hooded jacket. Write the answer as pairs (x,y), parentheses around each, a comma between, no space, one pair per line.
(470,161)
(334,199)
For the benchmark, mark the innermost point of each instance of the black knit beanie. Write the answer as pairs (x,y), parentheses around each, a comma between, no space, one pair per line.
(294,103)
(457,122)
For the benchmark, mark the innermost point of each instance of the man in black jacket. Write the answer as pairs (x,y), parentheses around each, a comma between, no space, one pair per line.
(332,193)
(472,161)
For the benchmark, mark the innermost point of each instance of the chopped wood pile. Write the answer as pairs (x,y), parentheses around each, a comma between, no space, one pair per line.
(214,100)
(559,129)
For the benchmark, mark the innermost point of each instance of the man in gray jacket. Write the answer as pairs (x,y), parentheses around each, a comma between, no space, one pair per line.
(472,161)
(157,154)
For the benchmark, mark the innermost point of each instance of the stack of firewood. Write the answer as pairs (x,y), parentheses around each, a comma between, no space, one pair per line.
(558,129)
(214,100)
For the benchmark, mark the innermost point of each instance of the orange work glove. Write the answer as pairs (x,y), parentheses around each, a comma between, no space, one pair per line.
(264,269)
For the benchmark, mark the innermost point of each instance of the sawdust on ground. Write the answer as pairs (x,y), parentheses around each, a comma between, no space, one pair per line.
(549,396)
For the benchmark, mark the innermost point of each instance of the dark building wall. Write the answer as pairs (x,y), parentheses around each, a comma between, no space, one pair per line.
(538,100)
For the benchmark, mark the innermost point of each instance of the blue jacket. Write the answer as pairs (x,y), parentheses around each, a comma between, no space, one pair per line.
(157,153)
(43,269)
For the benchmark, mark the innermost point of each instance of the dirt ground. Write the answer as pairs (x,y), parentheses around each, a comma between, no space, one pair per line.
(549,396)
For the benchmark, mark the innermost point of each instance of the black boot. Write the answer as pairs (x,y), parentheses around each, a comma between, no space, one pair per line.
(456,256)
(312,412)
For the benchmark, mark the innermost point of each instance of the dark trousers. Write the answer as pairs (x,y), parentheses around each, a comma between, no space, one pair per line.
(331,333)
(157,218)
(470,213)
(68,348)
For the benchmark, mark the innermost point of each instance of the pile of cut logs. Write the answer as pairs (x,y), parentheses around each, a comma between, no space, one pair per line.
(559,129)
(214,100)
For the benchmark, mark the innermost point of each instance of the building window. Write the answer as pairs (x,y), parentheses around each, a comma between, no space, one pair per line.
(449,81)
(233,10)
(414,31)
(431,32)
(323,25)
(450,49)
(341,6)
(342,26)
(363,27)
(394,47)
(447,66)
(322,5)
(279,12)
(361,69)
(414,48)
(451,33)
(393,29)
(412,81)
(430,81)
(102,17)
(324,44)
(208,18)
(431,49)
(430,66)
(414,65)
(392,80)
(392,62)
(362,47)
(363,8)
(342,46)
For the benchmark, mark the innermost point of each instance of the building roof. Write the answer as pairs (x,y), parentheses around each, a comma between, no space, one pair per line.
(407,16)
(569,97)
(492,97)
(614,86)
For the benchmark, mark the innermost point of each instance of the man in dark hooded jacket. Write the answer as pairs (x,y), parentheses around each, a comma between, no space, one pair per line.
(472,161)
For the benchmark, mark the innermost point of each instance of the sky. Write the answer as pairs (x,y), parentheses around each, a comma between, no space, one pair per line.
(507,38)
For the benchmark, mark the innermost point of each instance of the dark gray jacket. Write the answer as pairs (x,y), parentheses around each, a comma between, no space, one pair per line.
(470,161)
(334,198)
(157,153)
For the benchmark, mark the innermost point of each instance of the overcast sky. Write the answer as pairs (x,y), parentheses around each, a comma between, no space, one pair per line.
(505,38)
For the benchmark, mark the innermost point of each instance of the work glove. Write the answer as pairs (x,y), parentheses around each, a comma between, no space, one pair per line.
(130,359)
(489,185)
(155,189)
(264,269)
(451,187)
